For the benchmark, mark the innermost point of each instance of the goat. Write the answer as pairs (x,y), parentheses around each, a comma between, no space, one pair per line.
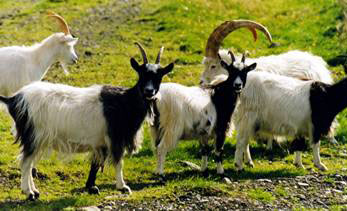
(285,106)
(296,64)
(103,119)
(183,112)
(21,65)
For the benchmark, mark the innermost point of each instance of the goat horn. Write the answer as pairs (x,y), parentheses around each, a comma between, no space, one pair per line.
(218,35)
(232,56)
(157,61)
(62,23)
(143,52)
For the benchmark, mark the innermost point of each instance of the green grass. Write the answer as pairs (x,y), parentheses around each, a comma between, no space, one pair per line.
(106,29)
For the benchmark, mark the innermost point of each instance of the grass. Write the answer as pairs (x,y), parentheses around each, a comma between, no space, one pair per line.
(107,30)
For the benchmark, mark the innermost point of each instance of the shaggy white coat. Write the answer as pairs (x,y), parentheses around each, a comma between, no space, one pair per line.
(271,104)
(296,64)
(184,114)
(21,65)
(67,119)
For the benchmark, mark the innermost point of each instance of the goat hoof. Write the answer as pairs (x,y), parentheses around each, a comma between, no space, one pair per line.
(161,178)
(93,190)
(125,190)
(299,165)
(31,197)
(321,167)
(250,164)
(36,194)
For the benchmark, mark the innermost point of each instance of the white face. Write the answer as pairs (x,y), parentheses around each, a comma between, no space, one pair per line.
(67,53)
(214,73)
(238,83)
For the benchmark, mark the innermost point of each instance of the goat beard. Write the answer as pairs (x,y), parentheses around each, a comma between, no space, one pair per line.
(63,65)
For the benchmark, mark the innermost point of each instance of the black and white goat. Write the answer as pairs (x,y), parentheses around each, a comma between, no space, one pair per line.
(271,104)
(103,119)
(21,65)
(192,112)
(295,64)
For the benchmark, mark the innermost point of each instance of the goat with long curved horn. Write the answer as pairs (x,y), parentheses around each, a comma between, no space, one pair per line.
(221,32)
(62,23)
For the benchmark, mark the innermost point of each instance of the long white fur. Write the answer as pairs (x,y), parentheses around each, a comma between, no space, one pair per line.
(67,119)
(275,105)
(21,65)
(296,64)
(184,113)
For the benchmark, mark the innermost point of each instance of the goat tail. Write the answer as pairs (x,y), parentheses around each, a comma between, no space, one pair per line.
(5,100)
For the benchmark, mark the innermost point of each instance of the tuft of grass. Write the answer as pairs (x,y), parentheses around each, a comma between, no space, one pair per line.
(261,195)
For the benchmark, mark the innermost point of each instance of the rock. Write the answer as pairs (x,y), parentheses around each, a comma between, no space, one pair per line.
(301,196)
(190,164)
(302,184)
(108,208)
(341,183)
(111,197)
(226,180)
(337,191)
(264,180)
(91,208)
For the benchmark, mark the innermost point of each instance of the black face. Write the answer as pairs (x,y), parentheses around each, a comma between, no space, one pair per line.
(150,76)
(237,77)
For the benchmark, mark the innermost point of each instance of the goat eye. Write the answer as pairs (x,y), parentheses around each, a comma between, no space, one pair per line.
(213,66)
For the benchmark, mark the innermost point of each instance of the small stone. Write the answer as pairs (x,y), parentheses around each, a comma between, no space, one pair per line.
(111,197)
(226,180)
(302,184)
(264,180)
(190,164)
(341,183)
(91,208)
(301,196)
(108,208)
(337,191)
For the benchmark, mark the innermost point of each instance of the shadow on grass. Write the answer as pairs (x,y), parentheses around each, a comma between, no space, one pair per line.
(58,204)
(231,173)
(133,186)
(258,151)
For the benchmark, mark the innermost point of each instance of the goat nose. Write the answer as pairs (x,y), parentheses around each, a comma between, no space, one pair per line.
(149,90)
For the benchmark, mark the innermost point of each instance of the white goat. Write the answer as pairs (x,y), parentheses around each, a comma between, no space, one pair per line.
(271,104)
(192,112)
(103,119)
(21,65)
(296,64)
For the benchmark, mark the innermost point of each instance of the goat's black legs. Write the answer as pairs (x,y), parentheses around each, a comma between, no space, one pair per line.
(90,185)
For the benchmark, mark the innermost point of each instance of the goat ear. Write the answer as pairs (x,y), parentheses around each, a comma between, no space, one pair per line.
(134,64)
(167,69)
(69,39)
(251,67)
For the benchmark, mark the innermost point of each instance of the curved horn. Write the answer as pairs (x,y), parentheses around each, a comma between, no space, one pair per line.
(62,23)
(143,52)
(232,56)
(243,57)
(246,53)
(157,61)
(222,31)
